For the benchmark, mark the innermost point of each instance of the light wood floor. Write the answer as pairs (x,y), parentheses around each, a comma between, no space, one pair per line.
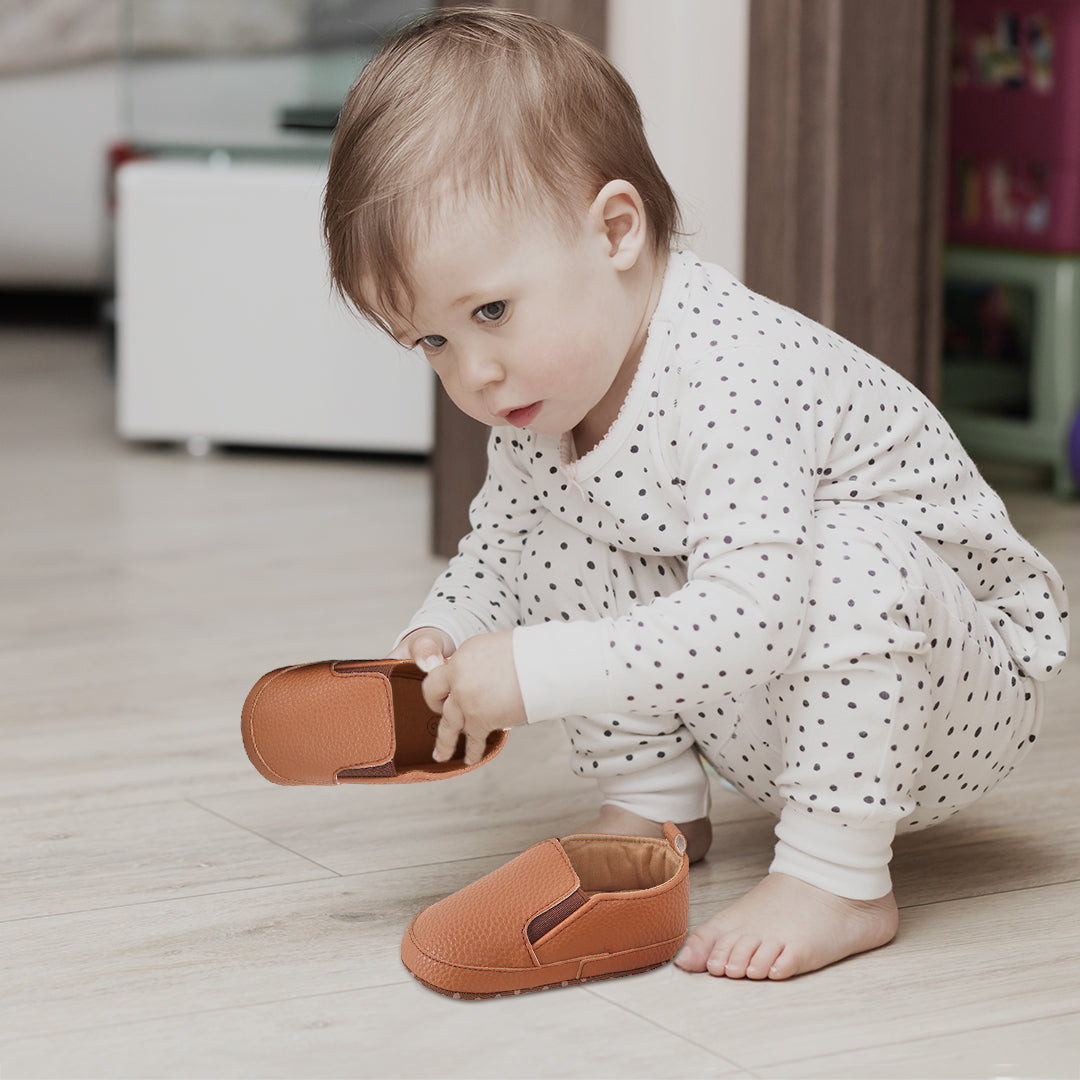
(166,913)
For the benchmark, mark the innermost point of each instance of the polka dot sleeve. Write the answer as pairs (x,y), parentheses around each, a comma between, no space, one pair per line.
(475,594)
(744,455)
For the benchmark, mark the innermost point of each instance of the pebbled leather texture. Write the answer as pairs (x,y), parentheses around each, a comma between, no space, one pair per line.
(347,722)
(476,943)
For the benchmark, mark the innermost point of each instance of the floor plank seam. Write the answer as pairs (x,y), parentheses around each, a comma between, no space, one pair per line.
(995,892)
(332,875)
(158,1018)
(254,832)
(347,875)
(646,1019)
(169,899)
(105,808)
(884,1047)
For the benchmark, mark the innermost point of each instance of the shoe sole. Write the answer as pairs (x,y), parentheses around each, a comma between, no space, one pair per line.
(461,995)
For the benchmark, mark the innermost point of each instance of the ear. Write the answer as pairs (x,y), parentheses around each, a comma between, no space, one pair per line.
(618,217)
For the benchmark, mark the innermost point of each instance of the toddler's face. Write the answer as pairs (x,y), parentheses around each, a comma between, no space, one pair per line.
(522,327)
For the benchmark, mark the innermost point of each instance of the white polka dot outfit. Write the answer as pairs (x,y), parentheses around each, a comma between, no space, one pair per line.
(779,558)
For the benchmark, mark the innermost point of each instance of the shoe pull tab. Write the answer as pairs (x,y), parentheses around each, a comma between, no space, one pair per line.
(674,837)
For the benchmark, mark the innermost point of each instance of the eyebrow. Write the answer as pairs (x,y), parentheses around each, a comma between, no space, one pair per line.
(469,298)
(488,291)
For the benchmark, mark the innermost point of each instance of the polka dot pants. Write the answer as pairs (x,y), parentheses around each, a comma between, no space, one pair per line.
(901,706)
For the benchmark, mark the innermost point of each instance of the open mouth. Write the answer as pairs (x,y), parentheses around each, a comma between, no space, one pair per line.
(524,416)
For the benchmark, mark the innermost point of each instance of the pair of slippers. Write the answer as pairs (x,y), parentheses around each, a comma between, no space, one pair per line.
(565,911)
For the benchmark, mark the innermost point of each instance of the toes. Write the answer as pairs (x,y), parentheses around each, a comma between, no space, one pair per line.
(763,963)
(738,957)
(694,954)
(732,959)
(785,965)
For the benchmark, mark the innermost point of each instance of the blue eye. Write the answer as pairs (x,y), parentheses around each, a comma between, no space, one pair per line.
(492,312)
(433,341)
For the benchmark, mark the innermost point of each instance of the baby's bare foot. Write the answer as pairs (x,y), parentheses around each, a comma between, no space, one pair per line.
(615,821)
(785,927)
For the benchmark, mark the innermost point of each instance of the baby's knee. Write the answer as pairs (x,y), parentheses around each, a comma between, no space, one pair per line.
(868,592)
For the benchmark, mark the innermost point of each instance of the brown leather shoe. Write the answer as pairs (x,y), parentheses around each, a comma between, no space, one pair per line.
(564,911)
(348,722)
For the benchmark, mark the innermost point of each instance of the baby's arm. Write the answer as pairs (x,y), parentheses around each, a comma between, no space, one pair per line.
(477,593)
(475,602)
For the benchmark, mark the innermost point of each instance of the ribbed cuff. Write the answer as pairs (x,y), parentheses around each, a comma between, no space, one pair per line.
(457,632)
(558,670)
(852,862)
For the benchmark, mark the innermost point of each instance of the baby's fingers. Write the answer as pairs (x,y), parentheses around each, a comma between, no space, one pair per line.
(427,653)
(449,734)
(475,745)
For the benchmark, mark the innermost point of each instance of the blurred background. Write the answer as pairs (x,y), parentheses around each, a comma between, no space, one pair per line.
(84,84)
(163,163)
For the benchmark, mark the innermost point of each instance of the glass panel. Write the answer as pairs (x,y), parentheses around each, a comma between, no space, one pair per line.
(989,336)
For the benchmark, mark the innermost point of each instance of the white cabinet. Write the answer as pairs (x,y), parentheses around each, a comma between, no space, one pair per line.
(227,330)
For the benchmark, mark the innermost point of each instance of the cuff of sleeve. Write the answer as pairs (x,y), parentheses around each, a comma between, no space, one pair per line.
(457,631)
(559,669)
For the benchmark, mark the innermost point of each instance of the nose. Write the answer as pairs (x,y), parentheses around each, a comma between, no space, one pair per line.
(479,368)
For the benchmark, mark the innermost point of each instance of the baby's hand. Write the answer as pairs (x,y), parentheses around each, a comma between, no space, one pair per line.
(426,646)
(476,692)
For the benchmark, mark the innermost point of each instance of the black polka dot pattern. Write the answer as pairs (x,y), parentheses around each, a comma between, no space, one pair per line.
(890,685)
(744,533)
(744,418)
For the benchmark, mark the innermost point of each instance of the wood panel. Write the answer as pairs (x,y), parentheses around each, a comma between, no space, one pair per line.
(845,169)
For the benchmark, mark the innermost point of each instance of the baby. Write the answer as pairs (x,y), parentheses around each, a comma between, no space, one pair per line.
(710,527)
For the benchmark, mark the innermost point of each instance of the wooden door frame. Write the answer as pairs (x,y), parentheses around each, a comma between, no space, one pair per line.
(845,169)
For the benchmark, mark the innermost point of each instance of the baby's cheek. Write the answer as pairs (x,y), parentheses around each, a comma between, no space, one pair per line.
(568,360)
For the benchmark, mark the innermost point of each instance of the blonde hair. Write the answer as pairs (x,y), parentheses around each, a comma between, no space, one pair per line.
(476,103)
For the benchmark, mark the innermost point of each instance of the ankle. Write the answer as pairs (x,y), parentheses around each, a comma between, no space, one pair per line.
(699,835)
(616,820)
